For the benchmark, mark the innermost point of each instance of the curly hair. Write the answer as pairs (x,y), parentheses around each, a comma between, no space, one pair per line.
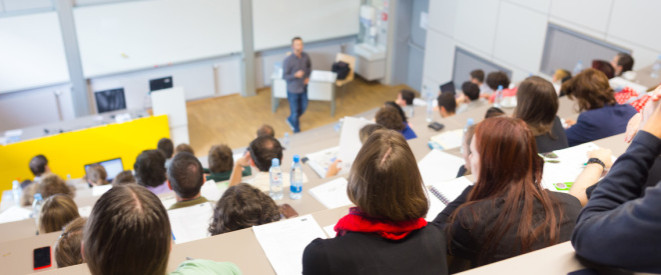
(242,206)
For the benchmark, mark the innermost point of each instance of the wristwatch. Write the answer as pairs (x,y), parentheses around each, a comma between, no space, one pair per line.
(597,161)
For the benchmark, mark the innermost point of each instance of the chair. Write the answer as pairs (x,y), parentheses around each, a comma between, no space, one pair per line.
(351,60)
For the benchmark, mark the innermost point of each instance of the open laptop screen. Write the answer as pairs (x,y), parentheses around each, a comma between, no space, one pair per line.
(113,167)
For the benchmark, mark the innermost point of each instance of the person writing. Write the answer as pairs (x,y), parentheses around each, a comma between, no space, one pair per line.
(297,69)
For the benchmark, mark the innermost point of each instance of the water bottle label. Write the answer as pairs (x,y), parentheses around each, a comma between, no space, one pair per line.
(295,189)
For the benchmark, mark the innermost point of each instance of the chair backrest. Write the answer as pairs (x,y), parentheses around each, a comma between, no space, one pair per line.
(351,60)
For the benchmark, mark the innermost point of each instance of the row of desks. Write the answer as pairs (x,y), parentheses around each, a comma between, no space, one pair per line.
(241,247)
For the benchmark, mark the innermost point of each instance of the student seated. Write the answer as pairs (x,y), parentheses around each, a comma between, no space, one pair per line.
(242,206)
(96,175)
(56,212)
(506,212)
(496,79)
(600,116)
(221,162)
(186,178)
(386,232)
(447,105)
(124,177)
(537,105)
(399,109)
(390,118)
(559,77)
(150,171)
(39,166)
(183,147)
(67,248)
(166,146)
(260,153)
(128,232)
(477,77)
(494,112)
(622,62)
(470,99)
(363,134)
(620,224)
(405,98)
(266,130)
(49,185)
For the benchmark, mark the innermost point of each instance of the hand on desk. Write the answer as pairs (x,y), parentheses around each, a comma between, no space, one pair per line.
(334,168)
(299,74)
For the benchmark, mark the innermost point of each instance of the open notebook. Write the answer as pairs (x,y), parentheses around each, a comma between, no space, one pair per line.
(443,193)
(439,166)
(561,167)
(447,140)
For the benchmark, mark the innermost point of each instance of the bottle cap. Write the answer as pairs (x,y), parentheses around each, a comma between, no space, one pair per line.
(275,162)
(37,197)
(500,87)
(297,158)
(470,122)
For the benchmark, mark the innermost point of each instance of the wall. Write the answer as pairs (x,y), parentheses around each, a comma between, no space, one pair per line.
(512,32)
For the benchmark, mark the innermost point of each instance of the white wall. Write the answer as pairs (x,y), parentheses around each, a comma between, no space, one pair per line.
(35,106)
(512,32)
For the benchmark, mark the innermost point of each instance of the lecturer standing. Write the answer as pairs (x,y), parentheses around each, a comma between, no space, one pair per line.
(297,70)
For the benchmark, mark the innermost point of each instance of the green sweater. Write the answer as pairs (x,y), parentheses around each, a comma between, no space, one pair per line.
(204,267)
(182,204)
(223,176)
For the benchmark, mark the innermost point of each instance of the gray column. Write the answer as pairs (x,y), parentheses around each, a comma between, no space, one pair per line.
(79,89)
(248,55)
(390,42)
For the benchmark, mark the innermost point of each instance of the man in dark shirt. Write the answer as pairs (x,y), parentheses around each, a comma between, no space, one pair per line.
(297,70)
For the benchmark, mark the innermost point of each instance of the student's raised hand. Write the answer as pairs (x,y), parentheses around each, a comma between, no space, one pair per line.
(334,168)
(652,114)
(244,160)
(604,155)
(632,127)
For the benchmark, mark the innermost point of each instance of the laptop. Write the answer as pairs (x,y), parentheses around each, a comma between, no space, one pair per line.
(113,167)
(448,88)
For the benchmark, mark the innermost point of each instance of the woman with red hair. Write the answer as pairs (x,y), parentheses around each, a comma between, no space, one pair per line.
(506,212)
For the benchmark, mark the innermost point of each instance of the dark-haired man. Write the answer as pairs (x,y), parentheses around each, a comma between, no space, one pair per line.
(470,99)
(150,171)
(39,166)
(447,104)
(296,72)
(622,62)
(185,177)
(260,153)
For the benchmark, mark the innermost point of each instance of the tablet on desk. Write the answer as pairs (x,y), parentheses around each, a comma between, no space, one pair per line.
(112,166)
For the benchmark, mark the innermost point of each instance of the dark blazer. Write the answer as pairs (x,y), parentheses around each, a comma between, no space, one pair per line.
(600,123)
(469,235)
(421,252)
(620,226)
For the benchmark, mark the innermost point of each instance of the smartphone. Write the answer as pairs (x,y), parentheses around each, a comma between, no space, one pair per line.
(436,126)
(42,258)
(287,211)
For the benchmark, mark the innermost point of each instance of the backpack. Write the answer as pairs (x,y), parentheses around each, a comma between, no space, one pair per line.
(342,69)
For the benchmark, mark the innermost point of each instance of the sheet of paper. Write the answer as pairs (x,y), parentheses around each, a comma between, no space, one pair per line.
(449,139)
(283,242)
(190,223)
(332,194)
(439,166)
(85,211)
(330,231)
(262,182)
(321,160)
(15,213)
(211,191)
(349,139)
(97,191)
(168,201)
(564,169)
(450,190)
(322,76)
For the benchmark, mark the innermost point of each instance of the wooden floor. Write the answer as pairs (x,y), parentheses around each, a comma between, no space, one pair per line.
(234,120)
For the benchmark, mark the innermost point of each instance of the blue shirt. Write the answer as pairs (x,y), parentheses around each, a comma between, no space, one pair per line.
(293,64)
(600,123)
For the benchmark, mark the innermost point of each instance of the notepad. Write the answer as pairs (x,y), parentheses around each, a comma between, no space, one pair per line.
(560,172)
(443,193)
(332,194)
(439,166)
(449,139)
(85,211)
(190,223)
(283,242)
(15,213)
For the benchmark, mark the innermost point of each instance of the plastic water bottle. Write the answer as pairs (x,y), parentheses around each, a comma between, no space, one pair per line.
(499,97)
(296,179)
(469,123)
(275,177)
(16,191)
(409,110)
(36,209)
(656,68)
(578,68)
(430,107)
(285,140)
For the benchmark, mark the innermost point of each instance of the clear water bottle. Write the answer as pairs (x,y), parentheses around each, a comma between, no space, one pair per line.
(296,179)
(656,68)
(275,176)
(469,122)
(499,97)
(409,110)
(16,191)
(578,68)
(36,209)
(285,140)
(430,107)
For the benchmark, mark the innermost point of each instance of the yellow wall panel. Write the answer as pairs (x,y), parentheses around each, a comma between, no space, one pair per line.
(68,153)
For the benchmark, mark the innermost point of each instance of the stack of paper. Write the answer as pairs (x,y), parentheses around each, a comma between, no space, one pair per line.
(283,242)
(332,194)
(190,223)
(439,166)
(449,139)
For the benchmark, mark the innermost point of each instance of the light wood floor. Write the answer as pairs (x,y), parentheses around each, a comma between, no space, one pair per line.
(234,120)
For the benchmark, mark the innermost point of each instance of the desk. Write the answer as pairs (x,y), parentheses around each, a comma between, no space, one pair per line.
(16,256)
(317,90)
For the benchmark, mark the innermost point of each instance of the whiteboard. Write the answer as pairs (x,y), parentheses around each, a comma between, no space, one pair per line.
(135,35)
(275,23)
(31,52)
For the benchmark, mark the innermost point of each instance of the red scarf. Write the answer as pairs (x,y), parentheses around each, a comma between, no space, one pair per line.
(357,221)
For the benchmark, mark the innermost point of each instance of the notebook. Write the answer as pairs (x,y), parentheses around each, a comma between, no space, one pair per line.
(447,140)
(562,167)
(443,193)
(439,166)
